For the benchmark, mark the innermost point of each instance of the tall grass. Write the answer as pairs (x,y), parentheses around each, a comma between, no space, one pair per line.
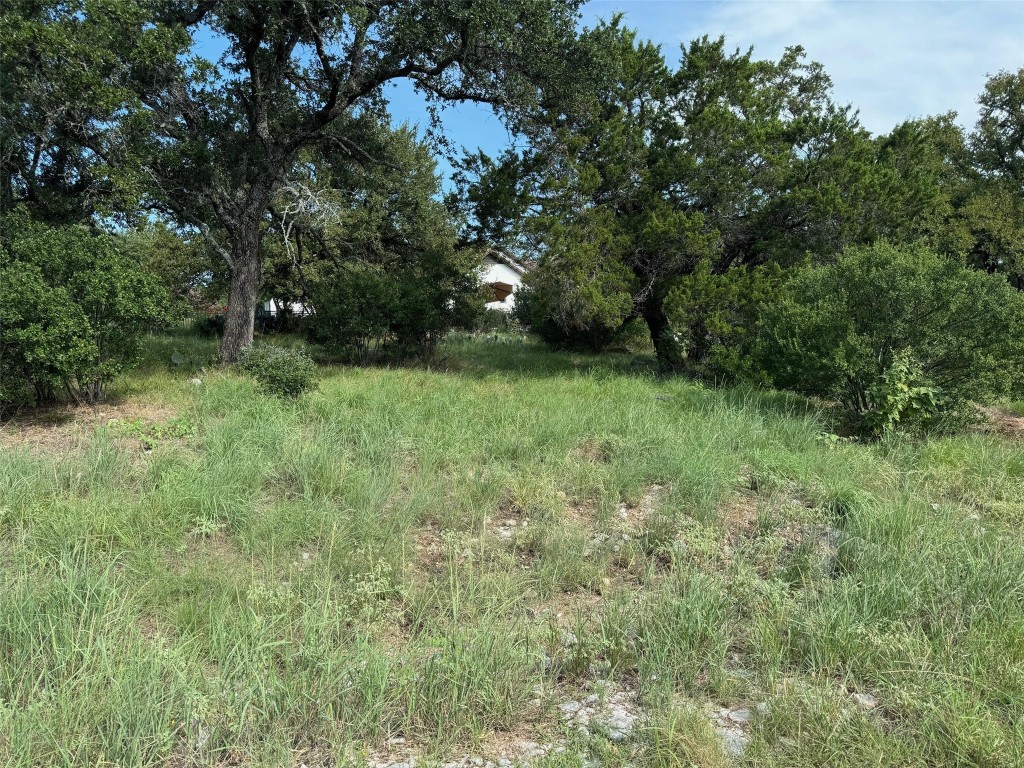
(404,553)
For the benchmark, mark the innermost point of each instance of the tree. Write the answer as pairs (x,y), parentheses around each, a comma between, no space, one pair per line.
(993,205)
(728,160)
(221,139)
(69,109)
(372,248)
(183,264)
(997,143)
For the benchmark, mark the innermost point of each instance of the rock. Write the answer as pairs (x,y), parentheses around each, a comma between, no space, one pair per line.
(202,737)
(570,707)
(741,716)
(864,700)
(734,741)
(197,382)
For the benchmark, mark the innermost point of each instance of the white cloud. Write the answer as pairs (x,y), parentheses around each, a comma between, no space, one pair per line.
(892,60)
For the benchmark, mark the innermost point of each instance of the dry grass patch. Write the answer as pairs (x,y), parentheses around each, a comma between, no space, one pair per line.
(68,427)
(1005,422)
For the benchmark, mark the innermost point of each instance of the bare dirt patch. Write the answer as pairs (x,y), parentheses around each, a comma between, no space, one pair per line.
(1005,422)
(635,515)
(217,551)
(739,515)
(566,608)
(429,549)
(61,428)
(594,451)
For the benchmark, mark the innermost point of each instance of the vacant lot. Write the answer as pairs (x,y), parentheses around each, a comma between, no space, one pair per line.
(526,556)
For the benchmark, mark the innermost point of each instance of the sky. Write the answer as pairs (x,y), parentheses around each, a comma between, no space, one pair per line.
(891,60)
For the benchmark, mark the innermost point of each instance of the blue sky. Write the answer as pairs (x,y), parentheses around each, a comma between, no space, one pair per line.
(892,60)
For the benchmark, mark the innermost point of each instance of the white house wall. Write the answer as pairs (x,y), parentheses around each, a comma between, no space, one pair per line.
(495,272)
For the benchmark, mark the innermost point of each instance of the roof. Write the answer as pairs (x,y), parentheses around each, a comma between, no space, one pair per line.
(519,265)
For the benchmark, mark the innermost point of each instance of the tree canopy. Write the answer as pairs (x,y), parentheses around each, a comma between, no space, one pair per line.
(733,163)
(212,142)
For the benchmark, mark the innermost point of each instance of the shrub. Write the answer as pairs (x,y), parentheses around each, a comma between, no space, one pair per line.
(496,321)
(716,318)
(896,335)
(368,311)
(73,310)
(281,371)
(575,304)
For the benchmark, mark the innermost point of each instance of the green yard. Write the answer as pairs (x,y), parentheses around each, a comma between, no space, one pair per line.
(446,564)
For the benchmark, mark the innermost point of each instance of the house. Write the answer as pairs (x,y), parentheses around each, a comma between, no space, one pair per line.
(504,274)
(275,307)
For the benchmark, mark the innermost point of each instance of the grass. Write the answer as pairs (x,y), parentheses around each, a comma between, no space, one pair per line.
(444,556)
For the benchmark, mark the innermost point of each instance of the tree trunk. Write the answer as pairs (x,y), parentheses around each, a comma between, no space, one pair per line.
(244,289)
(665,346)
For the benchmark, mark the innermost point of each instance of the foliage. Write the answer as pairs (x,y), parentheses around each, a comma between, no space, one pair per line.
(496,321)
(580,296)
(70,115)
(44,336)
(384,275)
(183,265)
(73,309)
(366,313)
(716,319)
(997,142)
(283,371)
(888,331)
(901,397)
(728,160)
(150,434)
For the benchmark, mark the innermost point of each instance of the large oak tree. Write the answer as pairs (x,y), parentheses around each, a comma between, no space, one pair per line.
(211,139)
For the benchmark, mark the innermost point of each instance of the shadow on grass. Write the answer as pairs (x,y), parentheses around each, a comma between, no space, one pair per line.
(484,357)
(512,357)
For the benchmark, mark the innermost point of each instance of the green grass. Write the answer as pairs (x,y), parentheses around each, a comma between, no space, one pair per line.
(404,552)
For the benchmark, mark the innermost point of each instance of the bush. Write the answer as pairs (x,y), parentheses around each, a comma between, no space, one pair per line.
(73,310)
(281,371)
(370,312)
(715,318)
(575,311)
(897,336)
(496,321)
